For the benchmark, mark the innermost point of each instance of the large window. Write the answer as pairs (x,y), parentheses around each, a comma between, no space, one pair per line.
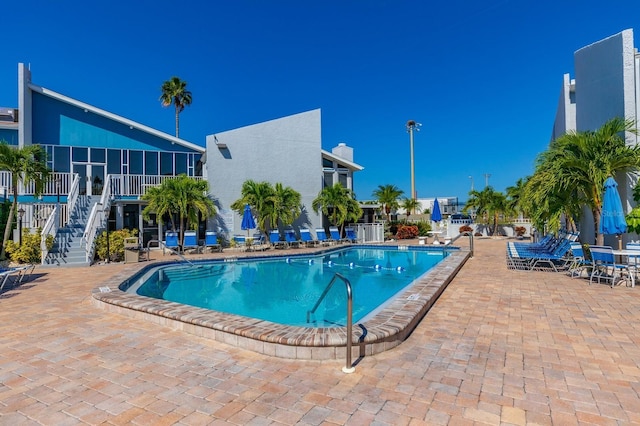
(135,163)
(114,161)
(166,163)
(150,163)
(61,160)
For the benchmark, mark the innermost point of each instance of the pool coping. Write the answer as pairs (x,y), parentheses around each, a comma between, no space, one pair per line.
(384,331)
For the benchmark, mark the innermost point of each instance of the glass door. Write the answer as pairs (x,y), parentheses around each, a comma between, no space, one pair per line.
(91,178)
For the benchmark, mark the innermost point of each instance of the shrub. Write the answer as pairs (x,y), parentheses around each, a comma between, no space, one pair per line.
(465,228)
(30,251)
(406,232)
(116,244)
(423,228)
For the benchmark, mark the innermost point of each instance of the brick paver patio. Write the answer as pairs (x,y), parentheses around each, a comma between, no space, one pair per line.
(499,347)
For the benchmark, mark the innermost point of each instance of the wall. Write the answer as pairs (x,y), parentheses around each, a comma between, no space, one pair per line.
(286,150)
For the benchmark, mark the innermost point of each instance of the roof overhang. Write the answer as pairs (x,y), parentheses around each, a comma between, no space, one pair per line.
(349,164)
(114,117)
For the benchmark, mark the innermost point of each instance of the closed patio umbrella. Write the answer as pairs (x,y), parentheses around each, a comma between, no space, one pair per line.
(436,215)
(247,220)
(612,221)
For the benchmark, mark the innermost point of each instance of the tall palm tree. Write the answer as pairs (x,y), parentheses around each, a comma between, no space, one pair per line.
(388,195)
(577,164)
(26,165)
(336,203)
(174,91)
(182,196)
(488,203)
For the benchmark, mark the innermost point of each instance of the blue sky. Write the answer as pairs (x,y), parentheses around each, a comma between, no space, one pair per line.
(483,77)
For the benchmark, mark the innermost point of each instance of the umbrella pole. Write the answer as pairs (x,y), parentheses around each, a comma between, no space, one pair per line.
(619,241)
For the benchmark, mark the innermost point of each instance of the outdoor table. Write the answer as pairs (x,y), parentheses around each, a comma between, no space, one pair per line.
(435,236)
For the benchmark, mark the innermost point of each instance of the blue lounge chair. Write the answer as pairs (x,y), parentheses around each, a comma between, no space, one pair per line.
(520,257)
(578,261)
(191,241)
(240,240)
(291,239)
(274,239)
(351,237)
(257,242)
(211,241)
(335,234)
(171,241)
(306,238)
(321,236)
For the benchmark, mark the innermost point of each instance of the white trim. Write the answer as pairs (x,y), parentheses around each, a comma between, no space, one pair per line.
(351,165)
(115,117)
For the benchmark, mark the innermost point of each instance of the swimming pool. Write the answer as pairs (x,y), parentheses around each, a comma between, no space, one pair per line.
(382,330)
(283,290)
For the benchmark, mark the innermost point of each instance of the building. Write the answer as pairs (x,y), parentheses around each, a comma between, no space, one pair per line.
(286,150)
(103,163)
(606,85)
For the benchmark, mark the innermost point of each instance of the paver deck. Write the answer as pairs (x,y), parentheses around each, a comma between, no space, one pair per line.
(498,347)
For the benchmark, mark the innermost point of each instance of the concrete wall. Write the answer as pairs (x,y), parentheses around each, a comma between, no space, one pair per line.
(566,113)
(285,150)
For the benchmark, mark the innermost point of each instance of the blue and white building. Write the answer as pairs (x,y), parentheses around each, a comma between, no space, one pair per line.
(103,163)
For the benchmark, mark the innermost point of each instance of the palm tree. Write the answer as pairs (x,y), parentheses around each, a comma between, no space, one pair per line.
(577,164)
(338,204)
(183,196)
(488,203)
(286,205)
(411,205)
(26,165)
(174,91)
(259,195)
(388,195)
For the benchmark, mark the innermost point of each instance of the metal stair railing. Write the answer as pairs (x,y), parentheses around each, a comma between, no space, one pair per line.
(349,367)
(50,228)
(72,197)
(96,220)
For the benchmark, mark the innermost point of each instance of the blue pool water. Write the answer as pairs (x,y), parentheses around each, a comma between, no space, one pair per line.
(283,289)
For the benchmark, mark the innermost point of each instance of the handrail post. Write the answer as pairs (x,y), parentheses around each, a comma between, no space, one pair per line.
(470,234)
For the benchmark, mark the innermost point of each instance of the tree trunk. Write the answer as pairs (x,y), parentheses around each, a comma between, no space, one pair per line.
(177,122)
(9,226)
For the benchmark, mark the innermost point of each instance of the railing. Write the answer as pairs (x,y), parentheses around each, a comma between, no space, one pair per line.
(370,232)
(50,228)
(74,190)
(96,221)
(349,367)
(137,185)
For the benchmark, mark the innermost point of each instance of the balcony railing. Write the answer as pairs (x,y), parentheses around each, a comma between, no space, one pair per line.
(137,185)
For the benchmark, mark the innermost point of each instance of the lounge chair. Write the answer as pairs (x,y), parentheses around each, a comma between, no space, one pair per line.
(520,257)
(578,261)
(258,242)
(17,274)
(211,241)
(321,236)
(171,242)
(307,239)
(351,235)
(334,232)
(240,241)
(274,239)
(191,241)
(291,239)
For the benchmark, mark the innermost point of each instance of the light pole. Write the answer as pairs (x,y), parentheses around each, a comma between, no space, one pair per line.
(20,215)
(471,177)
(486,179)
(411,126)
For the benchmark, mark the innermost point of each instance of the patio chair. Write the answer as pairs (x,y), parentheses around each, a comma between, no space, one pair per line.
(578,262)
(171,242)
(258,242)
(240,241)
(519,257)
(276,242)
(307,238)
(211,241)
(605,266)
(191,241)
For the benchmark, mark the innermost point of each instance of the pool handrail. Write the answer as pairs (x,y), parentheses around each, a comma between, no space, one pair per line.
(349,367)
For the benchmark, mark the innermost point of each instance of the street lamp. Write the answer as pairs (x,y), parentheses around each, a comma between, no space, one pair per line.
(471,177)
(20,215)
(411,126)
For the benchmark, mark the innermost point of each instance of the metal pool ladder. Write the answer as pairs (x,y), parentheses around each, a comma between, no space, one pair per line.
(348,368)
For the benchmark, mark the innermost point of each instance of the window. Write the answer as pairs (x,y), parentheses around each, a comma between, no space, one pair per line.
(135,163)
(327,163)
(114,162)
(80,155)
(97,155)
(181,164)
(150,163)
(166,163)
(61,160)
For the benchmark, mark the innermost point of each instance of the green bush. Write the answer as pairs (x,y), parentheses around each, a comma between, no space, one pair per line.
(423,228)
(116,244)
(30,251)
